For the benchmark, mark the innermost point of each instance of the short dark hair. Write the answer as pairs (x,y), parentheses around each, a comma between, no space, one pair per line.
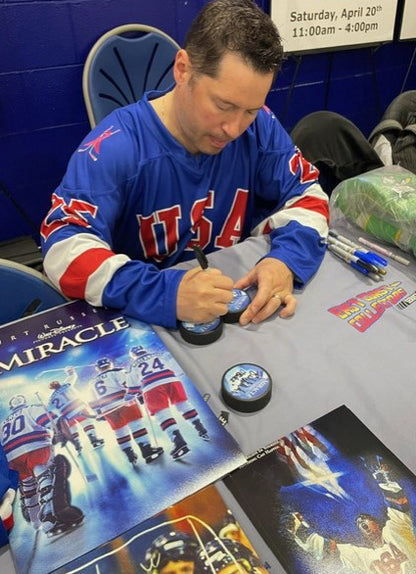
(238,26)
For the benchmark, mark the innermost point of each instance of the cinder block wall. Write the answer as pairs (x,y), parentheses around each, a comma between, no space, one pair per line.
(44,44)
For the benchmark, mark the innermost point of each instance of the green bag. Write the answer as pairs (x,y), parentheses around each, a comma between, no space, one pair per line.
(382,202)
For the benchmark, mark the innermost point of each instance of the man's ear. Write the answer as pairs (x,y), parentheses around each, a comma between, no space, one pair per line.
(182,67)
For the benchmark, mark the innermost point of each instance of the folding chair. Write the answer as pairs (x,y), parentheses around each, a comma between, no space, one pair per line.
(25,291)
(123,64)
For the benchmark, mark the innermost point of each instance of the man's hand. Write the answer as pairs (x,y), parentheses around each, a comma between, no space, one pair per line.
(274,282)
(203,295)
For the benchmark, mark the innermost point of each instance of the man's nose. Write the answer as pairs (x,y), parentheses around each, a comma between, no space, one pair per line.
(235,125)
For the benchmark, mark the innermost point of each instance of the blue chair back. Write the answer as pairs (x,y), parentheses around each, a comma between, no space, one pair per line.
(123,64)
(25,291)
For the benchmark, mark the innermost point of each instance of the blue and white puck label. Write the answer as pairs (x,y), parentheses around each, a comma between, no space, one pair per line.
(239,302)
(201,333)
(236,307)
(201,327)
(246,387)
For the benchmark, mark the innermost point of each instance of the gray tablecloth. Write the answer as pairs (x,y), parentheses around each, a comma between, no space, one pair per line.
(318,359)
(348,343)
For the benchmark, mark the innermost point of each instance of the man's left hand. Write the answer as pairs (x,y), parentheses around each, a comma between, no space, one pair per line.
(274,282)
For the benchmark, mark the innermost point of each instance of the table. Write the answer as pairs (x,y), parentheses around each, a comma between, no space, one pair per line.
(318,359)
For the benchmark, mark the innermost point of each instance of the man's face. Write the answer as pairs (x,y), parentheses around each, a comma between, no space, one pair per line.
(209,113)
(180,567)
(369,528)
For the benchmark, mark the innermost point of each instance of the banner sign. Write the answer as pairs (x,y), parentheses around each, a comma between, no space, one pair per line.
(408,27)
(307,25)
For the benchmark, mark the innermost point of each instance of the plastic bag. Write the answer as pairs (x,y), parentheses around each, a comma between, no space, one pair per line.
(382,202)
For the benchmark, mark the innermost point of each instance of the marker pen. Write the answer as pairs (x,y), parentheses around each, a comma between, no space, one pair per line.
(353,261)
(384,251)
(201,257)
(370,257)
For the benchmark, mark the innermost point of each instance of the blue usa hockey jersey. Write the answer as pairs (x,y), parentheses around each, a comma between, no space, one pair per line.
(133,202)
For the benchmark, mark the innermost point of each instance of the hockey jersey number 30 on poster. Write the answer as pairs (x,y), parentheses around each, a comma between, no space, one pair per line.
(104,429)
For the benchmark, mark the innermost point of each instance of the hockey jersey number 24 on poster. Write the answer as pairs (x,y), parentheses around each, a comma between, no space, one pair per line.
(104,429)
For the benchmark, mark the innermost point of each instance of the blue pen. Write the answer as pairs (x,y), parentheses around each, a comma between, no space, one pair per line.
(353,261)
(369,256)
(361,255)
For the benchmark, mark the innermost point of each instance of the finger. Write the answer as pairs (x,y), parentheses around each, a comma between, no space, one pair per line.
(245,281)
(223,282)
(259,301)
(215,278)
(269,308)
(285,305)
(255,307)
(289,306)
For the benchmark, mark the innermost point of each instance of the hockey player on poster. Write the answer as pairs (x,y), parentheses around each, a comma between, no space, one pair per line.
(389,546)
(227,557)
(160,387)
(179,553)
(172,553)
(124,416)
(67,407)
(231,530)
(43,477)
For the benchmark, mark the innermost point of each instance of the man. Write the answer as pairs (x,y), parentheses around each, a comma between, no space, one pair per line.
(389,545)
(66,405)
(228,557)
(162,389)
(172,553)
(125,418)
(45,493)
(204,163)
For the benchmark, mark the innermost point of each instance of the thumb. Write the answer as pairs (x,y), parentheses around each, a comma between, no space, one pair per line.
(245,281)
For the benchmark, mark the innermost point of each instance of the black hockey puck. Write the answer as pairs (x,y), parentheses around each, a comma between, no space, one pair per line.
(246,387)
(201,333)
(237,306)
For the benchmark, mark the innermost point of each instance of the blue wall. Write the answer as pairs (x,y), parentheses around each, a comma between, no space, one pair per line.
(44,44)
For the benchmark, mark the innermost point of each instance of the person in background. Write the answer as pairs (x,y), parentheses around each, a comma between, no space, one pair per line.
(204,163)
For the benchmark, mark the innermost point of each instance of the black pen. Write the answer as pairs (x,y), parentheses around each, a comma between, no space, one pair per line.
(201,257)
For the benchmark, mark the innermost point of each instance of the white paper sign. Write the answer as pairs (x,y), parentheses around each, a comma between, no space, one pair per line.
(408,27)
(320,24)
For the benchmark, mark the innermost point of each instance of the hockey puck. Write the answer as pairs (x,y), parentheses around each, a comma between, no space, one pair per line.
(237,306)
(201,333)
(246,387)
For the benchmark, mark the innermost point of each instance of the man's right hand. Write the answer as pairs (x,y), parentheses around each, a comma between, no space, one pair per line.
(203,295)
